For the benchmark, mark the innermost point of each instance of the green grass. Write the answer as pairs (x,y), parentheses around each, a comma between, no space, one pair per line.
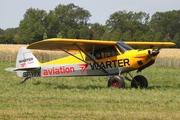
(70,98)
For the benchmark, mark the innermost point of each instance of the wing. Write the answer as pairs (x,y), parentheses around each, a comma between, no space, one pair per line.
(70,44)
(88,45)
(150,44)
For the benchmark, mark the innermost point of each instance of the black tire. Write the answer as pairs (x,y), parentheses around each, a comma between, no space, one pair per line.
(139,81)
(116,82)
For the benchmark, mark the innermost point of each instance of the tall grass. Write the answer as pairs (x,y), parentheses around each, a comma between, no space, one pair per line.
(9,52)
(169,57)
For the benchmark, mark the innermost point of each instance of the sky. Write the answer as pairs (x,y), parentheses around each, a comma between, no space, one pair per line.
(12,11)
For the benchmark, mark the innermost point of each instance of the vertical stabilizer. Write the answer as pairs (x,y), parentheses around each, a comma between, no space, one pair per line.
(26,63)
(25,59)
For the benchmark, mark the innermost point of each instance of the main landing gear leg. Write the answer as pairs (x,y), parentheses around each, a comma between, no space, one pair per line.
(137,81)
(25,80)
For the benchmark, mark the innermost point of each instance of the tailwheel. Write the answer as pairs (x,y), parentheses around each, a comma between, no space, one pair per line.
(139,81)
(116,82)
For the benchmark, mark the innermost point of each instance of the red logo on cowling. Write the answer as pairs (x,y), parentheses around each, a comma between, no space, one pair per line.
(83,67)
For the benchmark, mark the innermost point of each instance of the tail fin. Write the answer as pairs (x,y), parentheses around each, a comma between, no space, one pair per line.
(25,59)
(25,63)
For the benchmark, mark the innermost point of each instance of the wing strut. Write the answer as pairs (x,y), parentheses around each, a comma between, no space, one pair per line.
(73,55)
(92,59)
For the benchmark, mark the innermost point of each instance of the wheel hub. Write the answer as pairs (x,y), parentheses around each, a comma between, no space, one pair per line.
(115,84)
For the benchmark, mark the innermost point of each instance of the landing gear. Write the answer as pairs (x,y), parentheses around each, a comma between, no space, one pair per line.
(25,80)
(139,81)
(116,82)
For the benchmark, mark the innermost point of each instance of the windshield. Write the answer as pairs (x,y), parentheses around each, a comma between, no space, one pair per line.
(123,47)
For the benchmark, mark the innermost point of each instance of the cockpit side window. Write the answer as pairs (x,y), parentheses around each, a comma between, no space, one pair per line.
(104,53)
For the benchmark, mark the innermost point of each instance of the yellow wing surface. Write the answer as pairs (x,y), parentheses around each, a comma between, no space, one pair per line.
(70,44)
(88,45)
(150,44)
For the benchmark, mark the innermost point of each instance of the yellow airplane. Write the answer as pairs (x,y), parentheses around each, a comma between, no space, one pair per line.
(115,59)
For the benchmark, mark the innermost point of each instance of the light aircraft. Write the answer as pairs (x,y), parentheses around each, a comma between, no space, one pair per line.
(115,59)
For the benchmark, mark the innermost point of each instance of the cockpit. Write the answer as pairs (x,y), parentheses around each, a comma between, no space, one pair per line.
(103,53)
(109,51)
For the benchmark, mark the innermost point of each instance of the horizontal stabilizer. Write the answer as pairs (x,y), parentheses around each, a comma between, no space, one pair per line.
(22,69)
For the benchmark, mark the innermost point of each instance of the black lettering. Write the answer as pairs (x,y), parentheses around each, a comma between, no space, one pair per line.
(126,62)
(28,74)
(114,62)
(38,73)
(26,60)
(31,74)
(93,66)
(24,74)
(108,64)
(120,62)
(102,64)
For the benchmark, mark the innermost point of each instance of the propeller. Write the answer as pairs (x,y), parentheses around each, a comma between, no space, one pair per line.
(154,53)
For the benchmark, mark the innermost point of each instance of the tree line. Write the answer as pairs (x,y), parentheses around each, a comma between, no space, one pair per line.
(71,21)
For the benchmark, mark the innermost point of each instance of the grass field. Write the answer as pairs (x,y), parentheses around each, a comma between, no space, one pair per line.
(88,98)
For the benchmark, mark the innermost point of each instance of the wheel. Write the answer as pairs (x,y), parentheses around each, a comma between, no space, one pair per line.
(116,82)
(139,81)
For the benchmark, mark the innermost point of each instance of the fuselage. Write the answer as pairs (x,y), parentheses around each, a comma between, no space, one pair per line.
(95,58)
(71,66)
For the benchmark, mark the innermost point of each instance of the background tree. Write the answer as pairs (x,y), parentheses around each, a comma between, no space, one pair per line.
(127,36)
(32,28)
(116,35)
(85,33)
(52,25)
(107,34)
(128,23)
(166,22)
(150,35)
(158,36)
(2,31)
(97,31)
(2,39)
(71,21)
(67,20)
(137,35)
(9,36)
(177,39)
